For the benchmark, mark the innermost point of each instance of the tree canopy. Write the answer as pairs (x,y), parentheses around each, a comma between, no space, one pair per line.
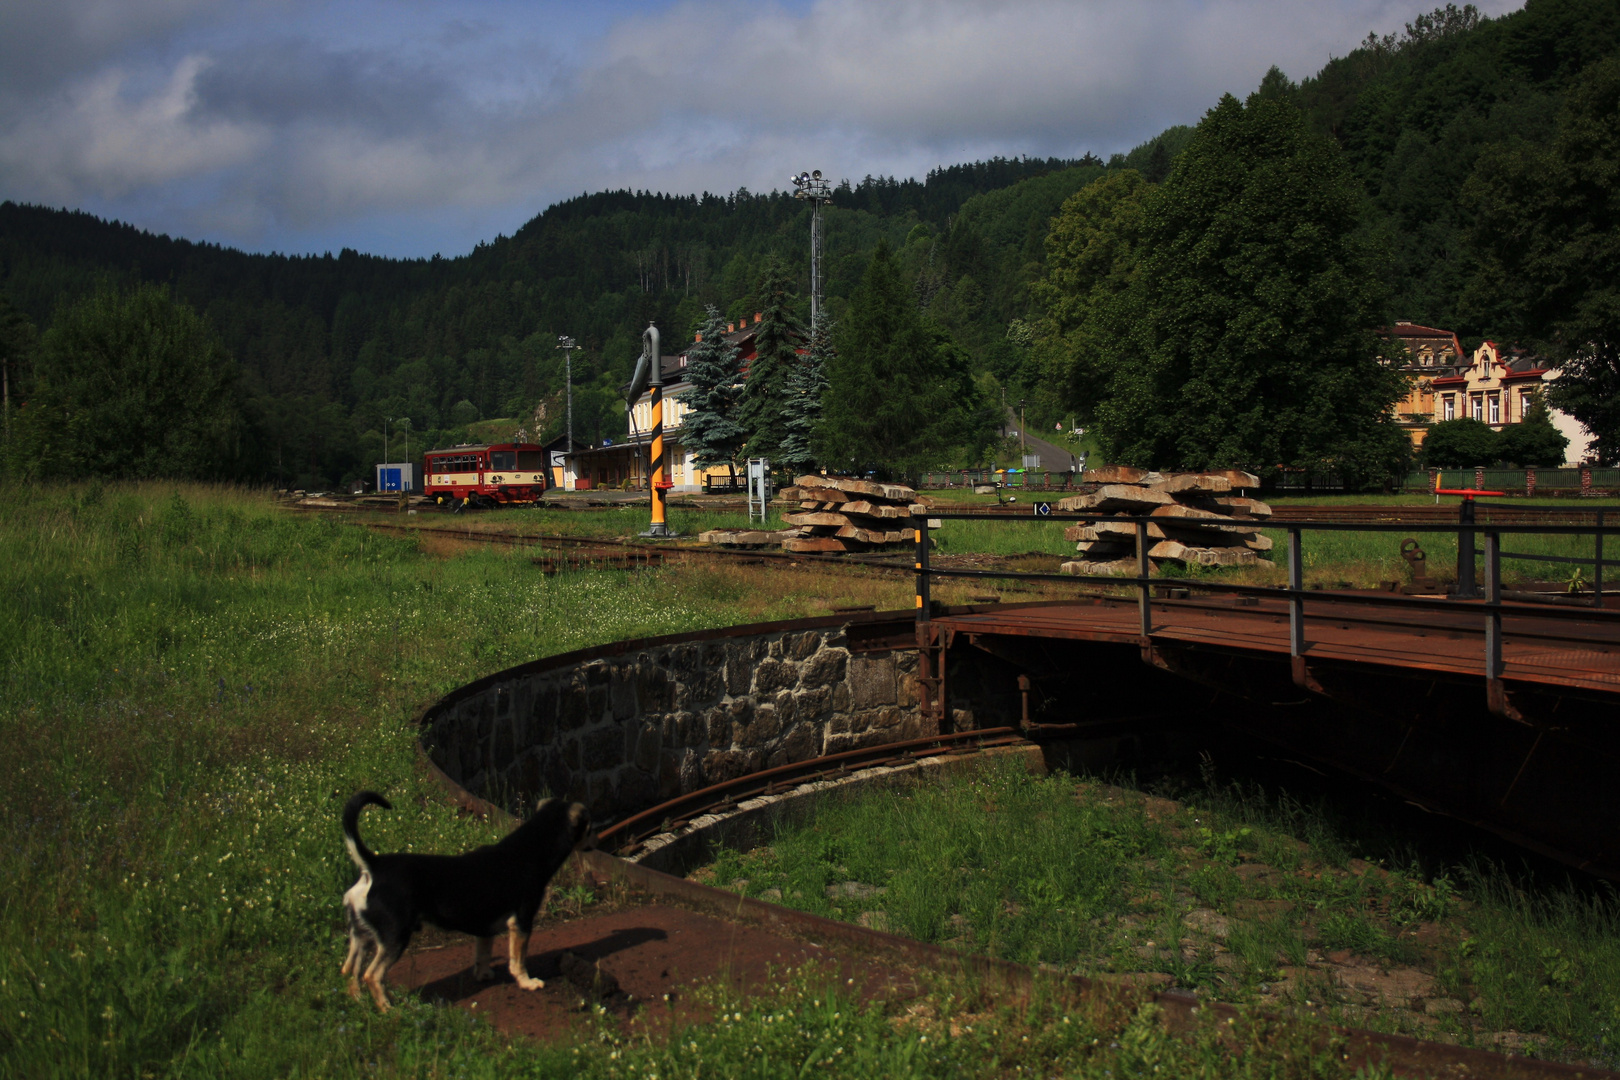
(131,384)
(900,393)
(1225,318)
(1548,230)
(777,338)
(714,370)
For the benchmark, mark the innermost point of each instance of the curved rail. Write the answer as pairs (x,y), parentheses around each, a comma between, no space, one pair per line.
(627,836)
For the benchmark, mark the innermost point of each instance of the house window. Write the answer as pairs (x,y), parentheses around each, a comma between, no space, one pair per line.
(1524,404)
(1477,406)
(1449,404)
(1493,402)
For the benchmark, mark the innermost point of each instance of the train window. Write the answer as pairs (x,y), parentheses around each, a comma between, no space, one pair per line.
(531,460)
(502,459)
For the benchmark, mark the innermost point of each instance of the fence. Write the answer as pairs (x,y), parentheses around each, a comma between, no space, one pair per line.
(1469,597)
(1586,480)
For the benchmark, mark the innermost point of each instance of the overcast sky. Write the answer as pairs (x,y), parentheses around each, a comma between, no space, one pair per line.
(409,127)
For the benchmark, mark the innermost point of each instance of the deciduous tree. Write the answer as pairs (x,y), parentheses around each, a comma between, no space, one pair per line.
(1548,232)
(1230,323)
(131,384)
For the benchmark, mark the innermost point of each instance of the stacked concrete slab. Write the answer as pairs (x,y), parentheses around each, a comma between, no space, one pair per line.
(1192,519)
(838,513)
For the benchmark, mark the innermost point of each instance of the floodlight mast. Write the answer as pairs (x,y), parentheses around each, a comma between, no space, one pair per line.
(566,344)
(818,191)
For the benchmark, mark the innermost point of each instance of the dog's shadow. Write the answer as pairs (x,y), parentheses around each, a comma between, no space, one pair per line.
(462,985)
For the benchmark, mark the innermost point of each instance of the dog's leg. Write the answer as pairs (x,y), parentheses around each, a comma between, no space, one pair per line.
(354,962)
(377,971)
(483,951)
(517,947)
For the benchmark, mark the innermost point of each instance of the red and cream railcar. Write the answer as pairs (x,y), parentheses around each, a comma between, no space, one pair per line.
(493,475)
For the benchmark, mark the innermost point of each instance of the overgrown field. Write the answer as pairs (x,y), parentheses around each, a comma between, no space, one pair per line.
(1245,898)
(194,681)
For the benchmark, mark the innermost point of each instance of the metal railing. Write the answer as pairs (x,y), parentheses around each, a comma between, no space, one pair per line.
(1488,604)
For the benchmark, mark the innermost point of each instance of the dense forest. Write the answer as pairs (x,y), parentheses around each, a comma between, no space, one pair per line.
(332,347)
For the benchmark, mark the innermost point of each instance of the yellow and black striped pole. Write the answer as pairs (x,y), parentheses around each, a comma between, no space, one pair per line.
(655,464)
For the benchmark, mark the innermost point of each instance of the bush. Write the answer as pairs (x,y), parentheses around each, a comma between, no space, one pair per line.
(1534,442)
(1460,443)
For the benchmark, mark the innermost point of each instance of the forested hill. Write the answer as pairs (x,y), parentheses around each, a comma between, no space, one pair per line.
(329,346)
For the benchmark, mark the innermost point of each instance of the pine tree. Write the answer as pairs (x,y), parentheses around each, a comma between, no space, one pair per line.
(714,370)
(900,396)
(802,411)
(775,356)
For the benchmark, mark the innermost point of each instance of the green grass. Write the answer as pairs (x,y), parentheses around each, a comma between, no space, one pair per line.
(1092,880)
(195,681)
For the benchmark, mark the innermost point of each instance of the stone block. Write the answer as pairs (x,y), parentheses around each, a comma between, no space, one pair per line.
(571,755)
(801,646)
(800,744)
(649,745)
(764,727)
(717,724)
(654,689)
(826,668)
(722,765)
(774,648)
(691,770)
(773,674)
(739,673)
(871,682)
(813,703)
(669,773)
(598,704)
(622,693)
(636,791)
(841,697)
(575,710)
(504,742)
(597,673)
(787,707)
(543,716)
(603,748)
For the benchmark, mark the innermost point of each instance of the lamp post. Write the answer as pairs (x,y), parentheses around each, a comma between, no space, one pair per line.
(566,344)
(405,424)
(812,187)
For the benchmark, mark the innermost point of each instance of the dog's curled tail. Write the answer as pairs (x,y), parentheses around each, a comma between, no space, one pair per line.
(351,827)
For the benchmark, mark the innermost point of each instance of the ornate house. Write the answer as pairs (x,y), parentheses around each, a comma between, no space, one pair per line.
(1494,386)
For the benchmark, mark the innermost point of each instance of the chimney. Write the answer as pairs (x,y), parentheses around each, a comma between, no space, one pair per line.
(699,336)
(731,328)
(758,315)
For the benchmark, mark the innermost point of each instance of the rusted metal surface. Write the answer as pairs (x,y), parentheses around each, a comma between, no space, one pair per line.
(1419,639)
(1443,514)
(606,560)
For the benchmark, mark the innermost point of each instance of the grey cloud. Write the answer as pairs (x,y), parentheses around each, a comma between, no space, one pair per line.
(294,80)
(292,135)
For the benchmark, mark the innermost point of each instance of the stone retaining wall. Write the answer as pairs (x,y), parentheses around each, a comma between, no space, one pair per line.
(629,725)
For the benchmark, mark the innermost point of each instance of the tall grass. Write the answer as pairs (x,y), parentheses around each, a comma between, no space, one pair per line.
(193,683)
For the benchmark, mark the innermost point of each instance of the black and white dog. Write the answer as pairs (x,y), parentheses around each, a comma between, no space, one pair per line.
(491,887)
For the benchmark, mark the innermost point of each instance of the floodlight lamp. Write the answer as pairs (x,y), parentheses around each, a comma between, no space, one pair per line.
(816,175)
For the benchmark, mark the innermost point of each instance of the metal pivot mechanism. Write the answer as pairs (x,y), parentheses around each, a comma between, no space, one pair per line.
(650,374)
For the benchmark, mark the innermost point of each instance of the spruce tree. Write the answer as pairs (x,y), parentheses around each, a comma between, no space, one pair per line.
(776,342)
(900,393)
(802,410)
(714,370)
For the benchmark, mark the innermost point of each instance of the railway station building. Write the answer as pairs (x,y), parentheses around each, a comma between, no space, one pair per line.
(624,463)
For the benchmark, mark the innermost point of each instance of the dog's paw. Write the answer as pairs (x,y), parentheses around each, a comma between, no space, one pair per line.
(528,982)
